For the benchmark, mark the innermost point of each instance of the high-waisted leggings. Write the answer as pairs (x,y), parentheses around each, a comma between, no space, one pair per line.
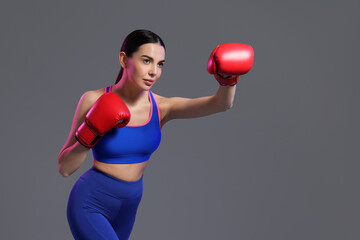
(103,207)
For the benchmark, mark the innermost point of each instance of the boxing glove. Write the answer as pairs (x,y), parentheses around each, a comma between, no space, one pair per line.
(108,111)
(229,60)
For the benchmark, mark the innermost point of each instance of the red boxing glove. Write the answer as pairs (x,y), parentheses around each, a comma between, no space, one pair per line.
(108,111)
(230,60)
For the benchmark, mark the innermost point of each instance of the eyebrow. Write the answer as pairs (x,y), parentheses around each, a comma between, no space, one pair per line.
(151,58)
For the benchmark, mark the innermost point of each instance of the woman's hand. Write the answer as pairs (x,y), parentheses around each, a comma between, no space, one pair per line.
(230,60)
(109,111)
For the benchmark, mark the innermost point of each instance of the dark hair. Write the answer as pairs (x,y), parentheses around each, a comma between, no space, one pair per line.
(134,40)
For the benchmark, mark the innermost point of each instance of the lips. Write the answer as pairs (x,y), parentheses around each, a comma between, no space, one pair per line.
(149,82)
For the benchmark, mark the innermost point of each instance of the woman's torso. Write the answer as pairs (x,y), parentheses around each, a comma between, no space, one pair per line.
(127,172)
(132,171)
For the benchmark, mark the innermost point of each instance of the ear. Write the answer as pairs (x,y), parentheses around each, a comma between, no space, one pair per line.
(123,59)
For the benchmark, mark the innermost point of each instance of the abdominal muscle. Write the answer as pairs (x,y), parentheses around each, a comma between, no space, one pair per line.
(127,172)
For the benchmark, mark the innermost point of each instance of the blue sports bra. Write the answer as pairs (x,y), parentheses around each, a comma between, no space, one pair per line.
(132,143)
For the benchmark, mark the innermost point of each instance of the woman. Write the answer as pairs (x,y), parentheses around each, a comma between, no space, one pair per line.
(122,123)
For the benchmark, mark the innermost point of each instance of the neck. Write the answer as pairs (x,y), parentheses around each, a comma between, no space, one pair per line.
(129,92)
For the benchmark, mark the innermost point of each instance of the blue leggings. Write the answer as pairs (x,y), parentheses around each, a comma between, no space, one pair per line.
(103,207)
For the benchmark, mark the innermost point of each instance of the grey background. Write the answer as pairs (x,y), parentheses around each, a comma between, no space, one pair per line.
(281,164)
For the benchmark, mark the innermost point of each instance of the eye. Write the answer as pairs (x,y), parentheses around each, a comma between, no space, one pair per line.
(161,64)
(146,61)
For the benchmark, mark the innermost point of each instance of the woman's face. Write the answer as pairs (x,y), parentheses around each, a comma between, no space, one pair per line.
(144,67)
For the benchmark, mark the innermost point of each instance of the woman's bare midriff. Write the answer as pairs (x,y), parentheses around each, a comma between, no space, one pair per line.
(126,172)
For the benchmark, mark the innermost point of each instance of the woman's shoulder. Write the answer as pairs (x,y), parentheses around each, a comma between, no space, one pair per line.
(159,99)
(89,97)
(162,102)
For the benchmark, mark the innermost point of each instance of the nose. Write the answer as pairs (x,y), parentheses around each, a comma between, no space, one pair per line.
(153,70)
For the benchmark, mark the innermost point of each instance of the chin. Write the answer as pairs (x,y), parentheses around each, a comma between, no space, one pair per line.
(145,87)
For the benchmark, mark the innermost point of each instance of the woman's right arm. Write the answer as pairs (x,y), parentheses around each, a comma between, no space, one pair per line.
(73,154)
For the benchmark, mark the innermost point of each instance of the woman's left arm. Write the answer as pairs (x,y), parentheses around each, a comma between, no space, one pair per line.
(179,107)
(227,62)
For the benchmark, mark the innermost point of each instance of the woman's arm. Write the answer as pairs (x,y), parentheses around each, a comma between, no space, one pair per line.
(178,107)
(227,62)
(73,154)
